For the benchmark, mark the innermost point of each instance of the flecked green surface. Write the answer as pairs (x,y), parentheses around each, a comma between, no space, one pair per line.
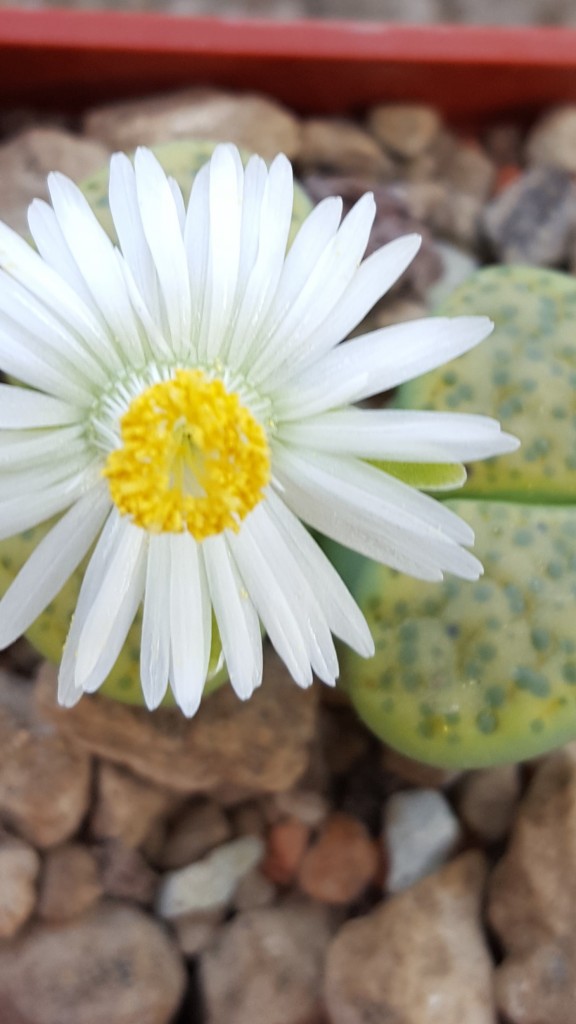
(181,160)
(469,674)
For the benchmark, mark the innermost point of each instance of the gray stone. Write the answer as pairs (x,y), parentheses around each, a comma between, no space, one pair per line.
(420,833)
(532,221)
(208,884)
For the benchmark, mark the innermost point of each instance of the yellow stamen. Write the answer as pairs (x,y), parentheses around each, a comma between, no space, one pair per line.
(192,458)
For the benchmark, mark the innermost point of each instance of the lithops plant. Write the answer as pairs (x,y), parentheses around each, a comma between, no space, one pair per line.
(470,674)
(181,160)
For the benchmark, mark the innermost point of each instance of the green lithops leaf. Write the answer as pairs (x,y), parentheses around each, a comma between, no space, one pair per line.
(427,476)
(469,674)
(181,160)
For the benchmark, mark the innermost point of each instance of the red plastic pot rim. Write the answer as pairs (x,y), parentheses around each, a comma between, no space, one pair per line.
(75,57)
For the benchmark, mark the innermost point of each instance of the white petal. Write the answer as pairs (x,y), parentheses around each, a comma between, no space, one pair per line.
(374,277)
(265,229)
(225,200)
(51,564)
(114,596)
(23,264)
(377,362)
(300,592)
(21,448)
(342,613)
(316,299)
(162,230)
(93,253)
(190,620)
(272,605)
(236,617)
(196,242)
(155,646)
(372,513)
(16,515)
(128,224)
(21,408)
(401,436)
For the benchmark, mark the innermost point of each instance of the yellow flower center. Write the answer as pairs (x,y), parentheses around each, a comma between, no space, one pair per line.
(192,458)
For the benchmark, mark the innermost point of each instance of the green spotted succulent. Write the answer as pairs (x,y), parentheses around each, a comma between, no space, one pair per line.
(470,674)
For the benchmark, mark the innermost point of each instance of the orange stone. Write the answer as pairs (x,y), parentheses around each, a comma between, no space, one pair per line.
(342,862)
(286,844)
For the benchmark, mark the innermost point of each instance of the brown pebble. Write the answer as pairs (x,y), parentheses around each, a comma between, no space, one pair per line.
(286,844)
(342,862)
(70,883)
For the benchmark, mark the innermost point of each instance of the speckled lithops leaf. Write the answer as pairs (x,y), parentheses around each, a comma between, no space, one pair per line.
(470,674)
(181,160)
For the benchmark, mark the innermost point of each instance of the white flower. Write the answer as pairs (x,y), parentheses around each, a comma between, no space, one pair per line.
(187,407)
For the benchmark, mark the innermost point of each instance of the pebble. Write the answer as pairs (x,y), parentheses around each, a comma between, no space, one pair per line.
(342,862)
(197,829)
(341,147)
(125,874)
(70,883)
(127,809)
(487,801)
(44,781)
(27,159)
(419,958)
(19,867)
(532,895)
(309,806)
(254,890)
(459,218)
(195,933)
(261,744)
(255,122)
(552,140)
(539,987)
(532,220)
(208,884)
(420,833)
(286,844)
(405,130)
(113,964)
(267,966)
(470,171)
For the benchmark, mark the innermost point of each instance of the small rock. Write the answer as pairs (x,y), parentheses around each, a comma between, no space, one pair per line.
(308,806)
(286,844)
(421,198)
(266,966)
(503,143)
(470,171)
(405,129)
(397,311)
(19,866)
(253,891)
(552,140)
(125,875)
(70,883)
(420,833)
(425,776)
(44,781)
(457,267)
(532,896)
(341,147)
(340,865)
(532,220)
(197,829)
(419,958)
(209,884)
(539,987)
(194,933)
(113,964)
(261,744)
(27,159)
(255,122)
(126,808)
(459,218)
(488,799)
